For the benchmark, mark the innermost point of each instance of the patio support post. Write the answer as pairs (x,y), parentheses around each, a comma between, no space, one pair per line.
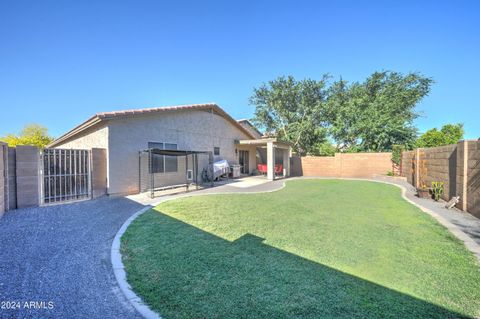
(270,161)
(186,170)
(286,162)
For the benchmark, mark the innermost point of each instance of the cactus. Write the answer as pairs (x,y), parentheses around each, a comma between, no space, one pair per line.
(437,189)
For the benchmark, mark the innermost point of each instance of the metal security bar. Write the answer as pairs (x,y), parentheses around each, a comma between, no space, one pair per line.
(65,175)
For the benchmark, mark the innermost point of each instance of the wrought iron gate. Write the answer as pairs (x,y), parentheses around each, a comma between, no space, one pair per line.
(65,175)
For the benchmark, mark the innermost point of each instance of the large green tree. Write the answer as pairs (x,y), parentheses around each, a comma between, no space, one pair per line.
(31,134)
(448,134)
(378,113)
(372,115)
(293,111)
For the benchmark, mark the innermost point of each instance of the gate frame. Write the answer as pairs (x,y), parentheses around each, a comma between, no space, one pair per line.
(41,175)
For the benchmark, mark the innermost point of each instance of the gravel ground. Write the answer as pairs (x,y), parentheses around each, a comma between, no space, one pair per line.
(61,254)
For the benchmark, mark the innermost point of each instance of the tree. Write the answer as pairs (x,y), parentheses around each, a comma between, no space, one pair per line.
(293,111)
(448,134)
(376,114)
(31,134)
(372,115)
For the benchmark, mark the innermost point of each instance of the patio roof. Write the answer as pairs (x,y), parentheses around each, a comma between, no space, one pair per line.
(158,151)
(264,141)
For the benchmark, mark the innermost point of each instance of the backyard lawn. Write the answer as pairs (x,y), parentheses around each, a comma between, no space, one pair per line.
(315,249)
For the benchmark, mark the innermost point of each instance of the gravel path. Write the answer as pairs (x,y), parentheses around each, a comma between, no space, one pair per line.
(61,254)
(466,222)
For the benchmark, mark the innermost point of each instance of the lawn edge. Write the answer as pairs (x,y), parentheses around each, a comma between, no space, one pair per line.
(146,312)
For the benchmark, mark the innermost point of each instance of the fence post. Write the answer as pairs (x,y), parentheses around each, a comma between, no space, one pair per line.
(417,167)
(462,166)
(27,176)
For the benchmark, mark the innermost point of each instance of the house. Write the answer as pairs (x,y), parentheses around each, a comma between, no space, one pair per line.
(198,127)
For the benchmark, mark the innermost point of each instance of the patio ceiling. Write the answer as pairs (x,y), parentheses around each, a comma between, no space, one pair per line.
(264,141)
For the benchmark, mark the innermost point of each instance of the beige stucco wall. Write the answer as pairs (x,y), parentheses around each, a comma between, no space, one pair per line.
(191,130)
(94,137)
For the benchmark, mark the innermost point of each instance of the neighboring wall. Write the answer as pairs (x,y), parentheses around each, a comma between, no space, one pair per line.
(3,203)
(27,170)
(191,130)
(12,178)
(473,180)
(448,164)
(343,165)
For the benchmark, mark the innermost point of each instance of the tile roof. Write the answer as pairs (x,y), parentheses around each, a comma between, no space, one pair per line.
(98,117)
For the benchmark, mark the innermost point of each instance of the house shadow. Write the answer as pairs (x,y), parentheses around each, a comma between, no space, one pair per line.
(202,275)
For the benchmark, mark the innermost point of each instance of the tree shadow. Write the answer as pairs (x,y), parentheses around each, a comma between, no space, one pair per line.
(184,272)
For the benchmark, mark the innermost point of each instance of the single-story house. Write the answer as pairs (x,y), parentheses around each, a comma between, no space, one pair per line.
(198,127)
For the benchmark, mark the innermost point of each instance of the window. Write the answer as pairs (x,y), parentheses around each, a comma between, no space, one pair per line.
(171,163)
(216,150)
(163,163)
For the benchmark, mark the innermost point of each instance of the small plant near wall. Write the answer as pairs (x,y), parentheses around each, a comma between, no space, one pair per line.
(437,190)
(423,191)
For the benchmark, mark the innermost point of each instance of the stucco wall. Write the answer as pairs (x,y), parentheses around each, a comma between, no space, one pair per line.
(190,130)
(94,137)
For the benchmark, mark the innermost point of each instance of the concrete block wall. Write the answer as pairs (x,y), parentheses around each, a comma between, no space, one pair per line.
(442,167)
(363,165)
(473,181)
(457,166)
(27,170)
(3,181)
(408,166)
(12,178)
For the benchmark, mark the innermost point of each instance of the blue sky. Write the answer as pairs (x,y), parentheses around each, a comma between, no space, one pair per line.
(63,61)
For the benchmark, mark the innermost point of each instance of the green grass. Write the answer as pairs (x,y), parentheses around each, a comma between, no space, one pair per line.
(317,248)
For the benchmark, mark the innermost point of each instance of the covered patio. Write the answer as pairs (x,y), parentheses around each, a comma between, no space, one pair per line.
(270,156)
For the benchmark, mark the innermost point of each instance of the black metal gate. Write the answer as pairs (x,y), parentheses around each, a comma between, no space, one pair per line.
(65,175)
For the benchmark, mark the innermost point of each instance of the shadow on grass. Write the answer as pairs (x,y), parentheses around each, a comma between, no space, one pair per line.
(182,271)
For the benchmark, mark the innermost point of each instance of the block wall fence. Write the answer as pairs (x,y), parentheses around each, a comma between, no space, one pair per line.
(361,165)
(457,166)
(20,176)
